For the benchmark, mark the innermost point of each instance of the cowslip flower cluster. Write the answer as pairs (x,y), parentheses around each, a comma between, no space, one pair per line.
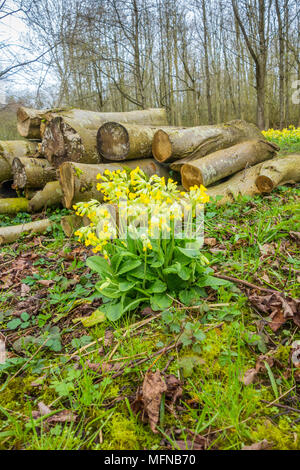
(147,209)
(290,135)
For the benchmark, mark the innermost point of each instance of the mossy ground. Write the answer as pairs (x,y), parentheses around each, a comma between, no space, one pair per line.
(253,242)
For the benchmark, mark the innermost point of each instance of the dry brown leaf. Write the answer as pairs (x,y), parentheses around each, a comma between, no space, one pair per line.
(278,319)
(43,409)
(102,367)
(210,242)
(64,416)
(296,354)
(273,304)
(174,388)
(45,282)
(267,249)
(262,445)
(25,289)
(249,377)
(108,338)
(153,388)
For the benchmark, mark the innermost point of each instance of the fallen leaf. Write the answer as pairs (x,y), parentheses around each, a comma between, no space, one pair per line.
(148,398)
(296,354)
(43,409)
(64,416)
(262,445)
(278,319)
(210,242)
(108,338)
(278,307)
(267,249)
(102,367)
(153,388)
(249,377)
(174,388)
(295,236)
(45,282)
(25,289)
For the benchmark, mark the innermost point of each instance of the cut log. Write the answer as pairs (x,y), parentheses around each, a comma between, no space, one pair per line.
(78,181)
(244,183)
(32,172)
(195,142)
(119,142)
(10,149)
(11,234)
(216,166)
(29,121)
(72,135)
(241,184)
(71,223)
(49,196)
(283,170)
(13,205)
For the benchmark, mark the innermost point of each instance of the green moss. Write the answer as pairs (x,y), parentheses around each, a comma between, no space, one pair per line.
(282,354)
(284,436)
(129,434)
(13,205)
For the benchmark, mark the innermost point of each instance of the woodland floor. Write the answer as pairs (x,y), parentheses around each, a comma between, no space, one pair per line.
(66,386)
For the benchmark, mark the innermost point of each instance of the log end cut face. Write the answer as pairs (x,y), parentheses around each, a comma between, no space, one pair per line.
(264,184)
(27,124)
(113,141)
(191,176)
(161,146)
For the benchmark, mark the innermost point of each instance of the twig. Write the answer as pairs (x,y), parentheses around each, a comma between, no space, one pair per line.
(245,283)
(278,405)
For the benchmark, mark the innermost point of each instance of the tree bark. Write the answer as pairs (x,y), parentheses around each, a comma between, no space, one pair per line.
(278,171)
(192,143)
(11,234)
(119,142)
(72,135)
(32,172)
(216,166)
(13,205)
(78,181)
(49,196)
(10,149)
(248,182)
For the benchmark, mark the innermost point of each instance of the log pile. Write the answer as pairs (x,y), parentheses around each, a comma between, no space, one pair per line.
(65,149)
